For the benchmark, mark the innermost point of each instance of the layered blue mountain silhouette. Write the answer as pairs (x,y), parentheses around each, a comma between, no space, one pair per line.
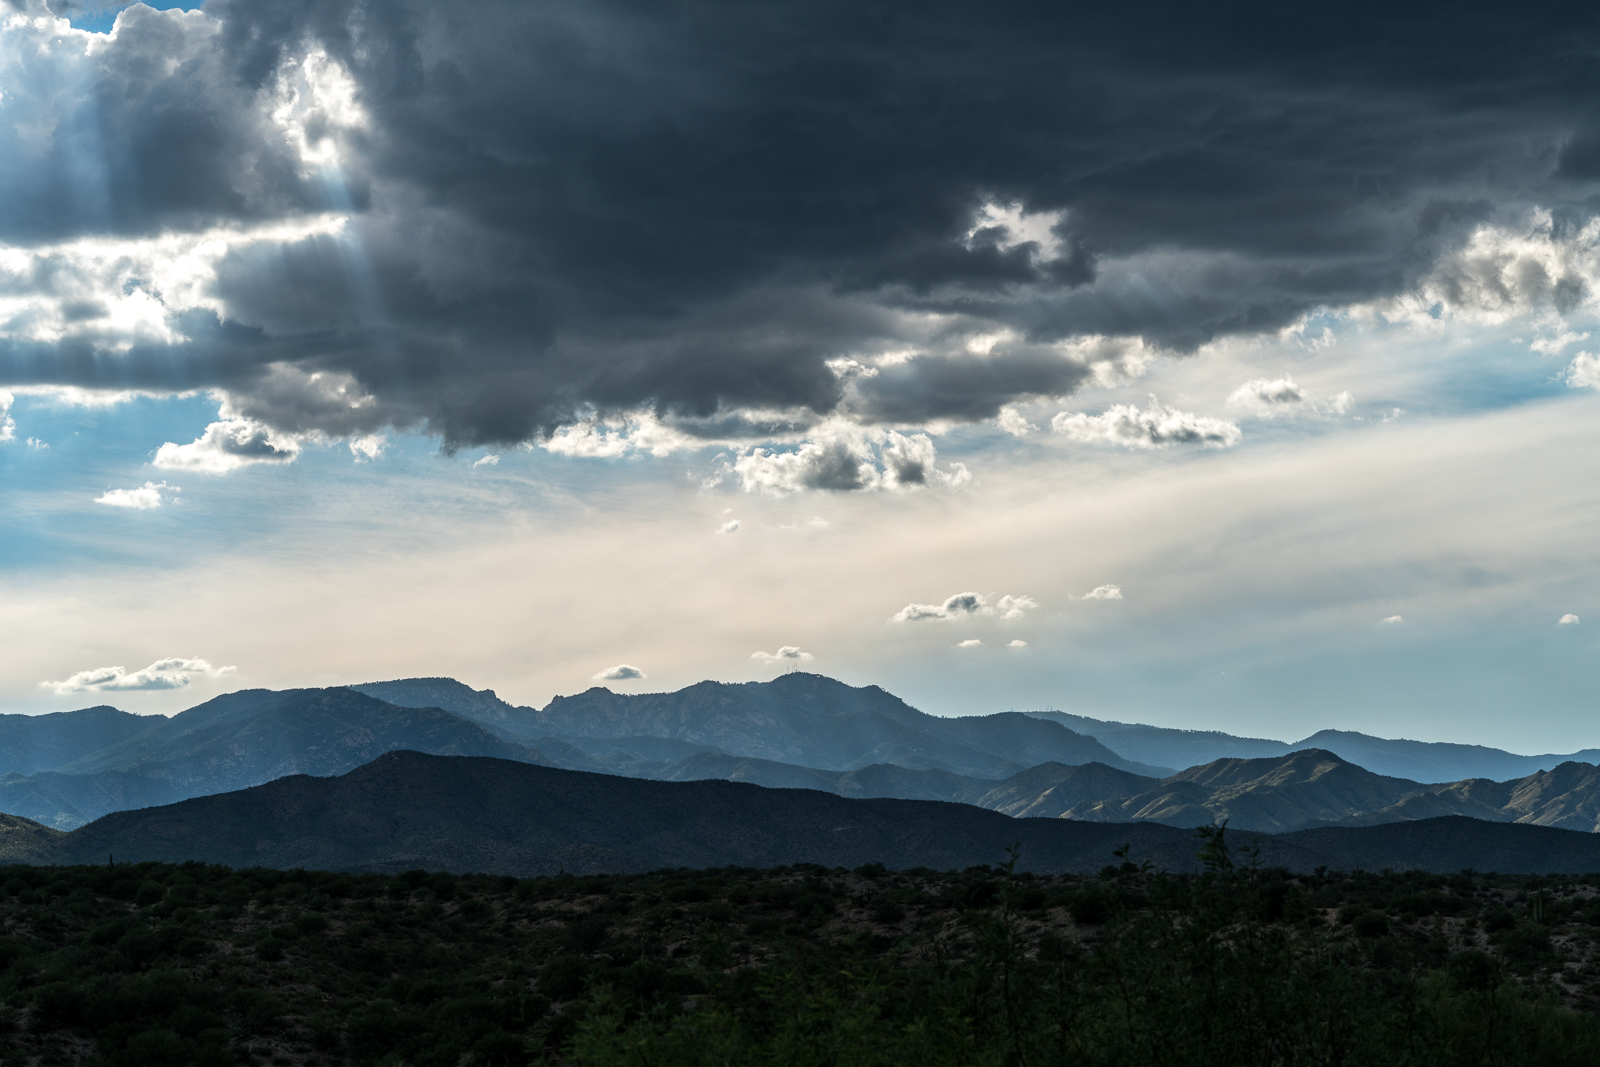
(799,736)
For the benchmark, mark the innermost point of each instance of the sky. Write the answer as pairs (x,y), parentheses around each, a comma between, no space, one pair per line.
(1223,369)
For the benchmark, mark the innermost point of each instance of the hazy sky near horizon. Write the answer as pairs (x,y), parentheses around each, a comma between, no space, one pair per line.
(1210,369)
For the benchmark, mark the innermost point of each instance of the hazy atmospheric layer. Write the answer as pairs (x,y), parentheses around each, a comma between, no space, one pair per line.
(1215,368)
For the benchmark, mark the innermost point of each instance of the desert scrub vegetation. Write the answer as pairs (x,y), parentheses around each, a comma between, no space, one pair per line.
(149,964)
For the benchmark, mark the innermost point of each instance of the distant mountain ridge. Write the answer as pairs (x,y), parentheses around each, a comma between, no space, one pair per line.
(30,743)
(799,718)
(407,810)
(1267,795)
(238,740)
(1420,761)
(1303,789)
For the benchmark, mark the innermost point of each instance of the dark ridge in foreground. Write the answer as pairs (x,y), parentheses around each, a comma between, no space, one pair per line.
(406,810)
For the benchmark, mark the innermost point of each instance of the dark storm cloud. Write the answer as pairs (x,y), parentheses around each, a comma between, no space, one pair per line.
(694,207)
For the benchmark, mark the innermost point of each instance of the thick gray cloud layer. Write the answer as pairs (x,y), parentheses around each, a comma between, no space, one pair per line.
(702,208)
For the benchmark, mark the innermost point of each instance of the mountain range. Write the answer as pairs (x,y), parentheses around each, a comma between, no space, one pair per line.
(234,741)
(1421,761)
(255,736)
(800,731)
(798,718)
(406,810)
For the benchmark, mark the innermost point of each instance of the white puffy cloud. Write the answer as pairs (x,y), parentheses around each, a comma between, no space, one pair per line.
(149,495)
(1011,225)
(598,437)
(1272,397)
(1584,371)
(486,461)
(227,446)
(1018,643)
(786,654)
(1104,592)
(954,607)
(1505,270)
(38,445)
(369,446)
(316,103)
(115,292)
(1567,620)
(8,425)
(622,672)
(1013,607)
(162,674)
(846,458)
(1265,395)
(1551,346)
(1154,427)
(971,642)
(1394,619)
(966,604)
(731,526)
(1013,422)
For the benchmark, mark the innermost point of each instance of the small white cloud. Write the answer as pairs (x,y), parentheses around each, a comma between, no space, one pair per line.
(228,445)
(1551,346)
(964,604)
(149,495)
(1155,427)
(728,527)
(1273,397)
(1010,225)
(602,437)
(35,443)
(1012,422)
(487,461)
(8,425)
(1018,643)
(1393,413)
(1012,607)
(1567,620)
(368,446)
(786,654)
(620,673)
(1264,395)
(845,459)
(162,674)
(1394,619)
(953,608)
(971,642)
(1104,592)
(1584,372)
